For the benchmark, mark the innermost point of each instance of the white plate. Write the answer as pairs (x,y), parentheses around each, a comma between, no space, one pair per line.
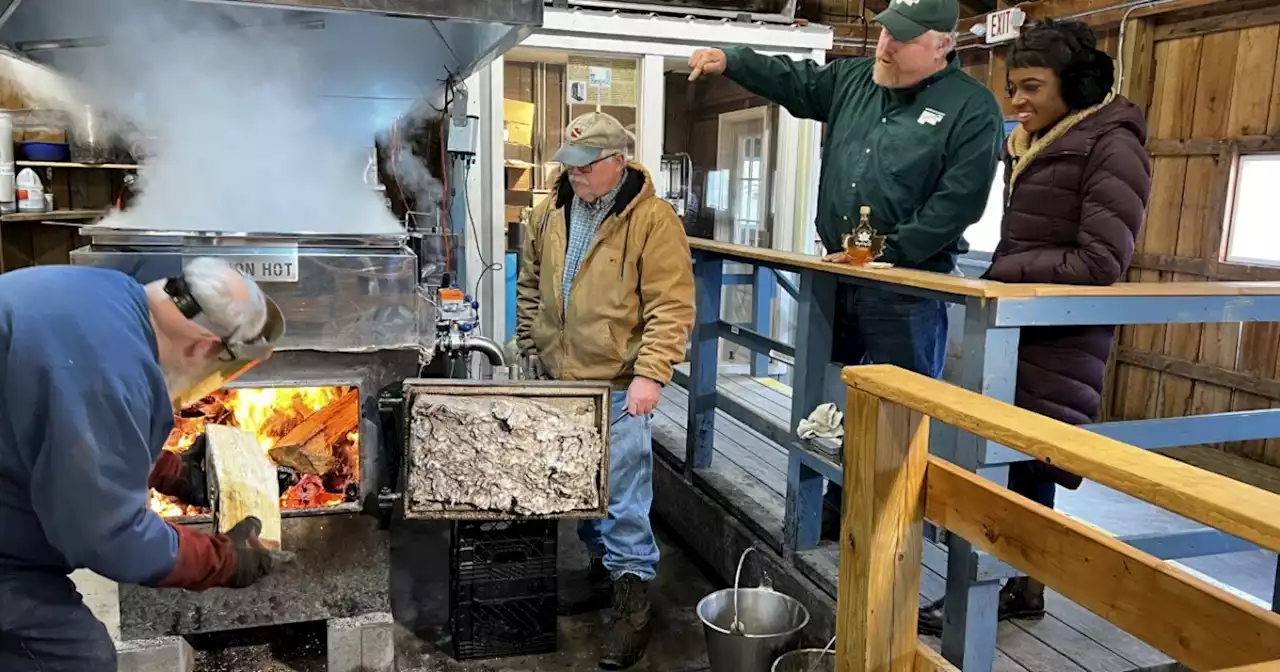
(877,264)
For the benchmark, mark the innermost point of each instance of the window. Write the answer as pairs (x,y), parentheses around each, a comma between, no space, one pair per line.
(746,219)
(718,190)
(984,234)
(1254,233)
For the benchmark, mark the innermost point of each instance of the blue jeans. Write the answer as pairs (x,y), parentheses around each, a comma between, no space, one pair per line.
(877,326)
(46,627)
(625,538)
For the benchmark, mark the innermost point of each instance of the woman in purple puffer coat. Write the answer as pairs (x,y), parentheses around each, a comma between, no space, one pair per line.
(1077,178)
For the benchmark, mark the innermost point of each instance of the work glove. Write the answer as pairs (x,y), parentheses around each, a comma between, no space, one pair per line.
(252,561)
(181,475)
(232,560)
(531,367)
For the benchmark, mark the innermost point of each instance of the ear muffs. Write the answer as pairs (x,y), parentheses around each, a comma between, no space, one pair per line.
(1087,80)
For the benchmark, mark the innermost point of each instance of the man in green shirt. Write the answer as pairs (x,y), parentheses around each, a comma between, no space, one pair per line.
(908,134)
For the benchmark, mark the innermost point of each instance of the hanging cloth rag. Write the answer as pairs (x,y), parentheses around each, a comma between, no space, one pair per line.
(826,422)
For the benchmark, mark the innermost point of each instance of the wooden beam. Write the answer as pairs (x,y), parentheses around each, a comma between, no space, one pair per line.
(1200,372)
(1213,146)
(1170,263)
(1096,13)
(1218,502)
(1269,666)
(1198,624)
(1213,231)
(1260,16)
(882,528)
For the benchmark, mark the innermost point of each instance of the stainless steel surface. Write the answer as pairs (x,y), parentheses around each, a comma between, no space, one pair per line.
(495,11)
(772,623)
(771,11)
(376,59)
(105,235)
(805,660)
(359,296)
(89,137)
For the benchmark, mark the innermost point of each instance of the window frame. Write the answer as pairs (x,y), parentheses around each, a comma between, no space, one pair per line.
(1230,225)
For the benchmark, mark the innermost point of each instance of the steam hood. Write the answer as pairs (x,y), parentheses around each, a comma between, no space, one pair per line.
(379,57)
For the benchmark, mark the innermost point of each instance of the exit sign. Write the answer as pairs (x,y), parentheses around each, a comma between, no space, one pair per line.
(1004,25)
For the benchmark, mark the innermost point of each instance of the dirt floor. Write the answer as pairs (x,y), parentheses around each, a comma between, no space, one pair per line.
(676,646)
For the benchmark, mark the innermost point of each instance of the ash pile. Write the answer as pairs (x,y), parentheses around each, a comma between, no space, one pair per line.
(500,452)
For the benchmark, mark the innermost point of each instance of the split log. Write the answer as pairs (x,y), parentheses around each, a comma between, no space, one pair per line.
(308,447)
(243,482)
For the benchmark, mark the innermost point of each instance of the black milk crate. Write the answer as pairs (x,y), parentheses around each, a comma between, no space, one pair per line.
(503,588)
(501,560)
(498,628)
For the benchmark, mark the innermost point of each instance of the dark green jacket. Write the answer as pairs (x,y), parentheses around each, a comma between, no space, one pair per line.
(923,158)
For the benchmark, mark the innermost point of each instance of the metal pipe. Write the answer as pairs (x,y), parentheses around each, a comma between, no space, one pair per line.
(8,12)
(487,347)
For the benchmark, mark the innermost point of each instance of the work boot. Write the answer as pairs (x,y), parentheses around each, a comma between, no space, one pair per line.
(930,620)
(590,591)
(628,634)
(830,524)
(1023,599)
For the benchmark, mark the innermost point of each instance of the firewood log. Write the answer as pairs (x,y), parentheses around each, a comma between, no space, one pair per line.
(308,447)
(243,482)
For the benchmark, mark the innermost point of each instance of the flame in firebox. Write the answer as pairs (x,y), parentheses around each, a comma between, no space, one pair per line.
(269,414)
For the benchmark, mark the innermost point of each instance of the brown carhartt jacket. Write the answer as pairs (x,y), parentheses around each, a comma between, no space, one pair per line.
(631,307)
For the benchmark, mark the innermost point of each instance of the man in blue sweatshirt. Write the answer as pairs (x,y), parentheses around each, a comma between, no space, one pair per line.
(91,364)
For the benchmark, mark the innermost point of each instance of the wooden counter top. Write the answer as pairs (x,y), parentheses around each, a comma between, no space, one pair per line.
(986,289)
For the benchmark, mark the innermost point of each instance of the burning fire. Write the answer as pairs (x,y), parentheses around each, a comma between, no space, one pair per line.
(270,414)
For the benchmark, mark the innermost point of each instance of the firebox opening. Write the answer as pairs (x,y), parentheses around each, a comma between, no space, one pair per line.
(310,433)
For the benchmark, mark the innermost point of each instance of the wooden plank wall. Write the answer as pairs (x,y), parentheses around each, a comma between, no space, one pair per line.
(1214,79)
(1210,81)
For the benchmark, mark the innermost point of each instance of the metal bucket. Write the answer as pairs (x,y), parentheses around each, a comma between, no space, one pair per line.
(771,624)
(806,660)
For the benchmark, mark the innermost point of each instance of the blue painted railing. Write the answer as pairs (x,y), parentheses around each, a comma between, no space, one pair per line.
(988,364)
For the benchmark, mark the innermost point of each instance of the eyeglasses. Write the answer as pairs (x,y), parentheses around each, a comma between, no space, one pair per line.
(587,168)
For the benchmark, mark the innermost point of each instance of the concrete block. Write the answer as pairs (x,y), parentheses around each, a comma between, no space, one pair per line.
(162,654)
(362,644)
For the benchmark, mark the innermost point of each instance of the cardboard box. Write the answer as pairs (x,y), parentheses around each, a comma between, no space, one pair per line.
(517,121)
(523,199)
(513,214)
(518,178)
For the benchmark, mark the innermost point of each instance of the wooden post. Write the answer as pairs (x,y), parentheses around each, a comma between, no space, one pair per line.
(877,604)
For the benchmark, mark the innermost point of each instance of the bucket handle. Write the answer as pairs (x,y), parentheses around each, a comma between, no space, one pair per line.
(766,582)
(823,654)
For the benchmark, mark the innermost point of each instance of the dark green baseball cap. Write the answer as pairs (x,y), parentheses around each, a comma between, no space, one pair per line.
(908,19)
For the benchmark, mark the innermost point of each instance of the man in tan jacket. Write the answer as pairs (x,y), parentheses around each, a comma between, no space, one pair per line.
(605,293)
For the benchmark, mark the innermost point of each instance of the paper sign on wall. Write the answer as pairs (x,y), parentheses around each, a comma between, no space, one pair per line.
(602,81)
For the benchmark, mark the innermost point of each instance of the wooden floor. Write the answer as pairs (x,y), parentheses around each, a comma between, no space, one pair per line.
(749,477)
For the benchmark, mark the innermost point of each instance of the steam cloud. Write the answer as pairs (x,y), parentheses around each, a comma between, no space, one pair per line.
(236,137)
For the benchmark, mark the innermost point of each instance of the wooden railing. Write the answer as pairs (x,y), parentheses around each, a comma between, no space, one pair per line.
(892,484)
